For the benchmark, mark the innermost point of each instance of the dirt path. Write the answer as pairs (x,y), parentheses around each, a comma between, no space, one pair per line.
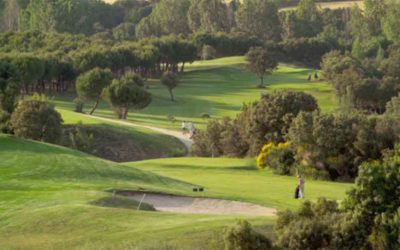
(183,138)
(189,205)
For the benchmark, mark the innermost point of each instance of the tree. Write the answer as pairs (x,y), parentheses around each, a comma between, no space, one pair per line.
(391,22)
(261,62)
(259,18)
(272,116)
(9,86)
(374,11)
(91,84)
(393,106)
(37,120)
(208,16)
(170,80)
(309,22)
(167,17)
(243,237)
(125,93)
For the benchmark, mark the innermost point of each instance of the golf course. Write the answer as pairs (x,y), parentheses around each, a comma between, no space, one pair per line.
(216,87)
(53,197)
(199,125)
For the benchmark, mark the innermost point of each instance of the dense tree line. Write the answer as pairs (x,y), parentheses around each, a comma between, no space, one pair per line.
(290,135)
(366,84)
(266,120)
(369,217)
(252,19)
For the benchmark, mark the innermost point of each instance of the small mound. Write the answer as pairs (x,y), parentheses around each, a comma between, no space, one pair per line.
(191,205)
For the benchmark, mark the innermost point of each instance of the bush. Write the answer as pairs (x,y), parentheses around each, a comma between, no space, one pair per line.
(278,157)
(308,228)
(77,137)
(205,116)
(243,237)
(79,103)
(37,120)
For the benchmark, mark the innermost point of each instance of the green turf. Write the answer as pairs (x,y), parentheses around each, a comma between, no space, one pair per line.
(48,196)
(217,87)
(239,179)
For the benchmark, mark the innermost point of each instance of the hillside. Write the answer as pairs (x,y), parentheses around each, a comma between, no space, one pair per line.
(48,197)
(121,143)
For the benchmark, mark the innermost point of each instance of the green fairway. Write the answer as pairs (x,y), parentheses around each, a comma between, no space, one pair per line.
(46,194)
(239,179)
(217,87)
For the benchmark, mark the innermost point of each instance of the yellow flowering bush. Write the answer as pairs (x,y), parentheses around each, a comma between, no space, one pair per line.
(276,156)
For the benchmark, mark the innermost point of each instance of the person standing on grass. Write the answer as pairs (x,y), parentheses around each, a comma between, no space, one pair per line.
(301,186)
(191,129)
(183,127)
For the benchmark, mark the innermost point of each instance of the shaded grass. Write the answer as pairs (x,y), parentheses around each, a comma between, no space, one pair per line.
(150,142)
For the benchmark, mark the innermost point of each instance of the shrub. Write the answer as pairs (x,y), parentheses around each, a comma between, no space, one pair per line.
(79,138)
(37,120)
(79,103)
(243,237)
(308,228)
(278,157)
(205,116)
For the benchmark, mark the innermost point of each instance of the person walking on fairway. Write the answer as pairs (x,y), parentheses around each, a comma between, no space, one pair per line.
(301,186)
(183,127)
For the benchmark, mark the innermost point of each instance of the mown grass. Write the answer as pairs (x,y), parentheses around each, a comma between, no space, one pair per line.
(217,87)
(239,179)
(46,202)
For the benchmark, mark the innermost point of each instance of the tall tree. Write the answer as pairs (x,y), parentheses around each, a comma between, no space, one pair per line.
(126,93)
(170,80)
(374,11)
(261,61)
(11,15)
(391,21)
(168,17)
(208,16)
(9,86)
(259,18)
(90,85)
(309,22)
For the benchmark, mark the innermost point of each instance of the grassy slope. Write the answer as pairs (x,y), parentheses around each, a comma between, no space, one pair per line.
(238,179)
(149,140)
(219,88)
(45,197)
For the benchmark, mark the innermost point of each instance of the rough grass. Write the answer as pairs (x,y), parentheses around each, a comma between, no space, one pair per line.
(147,144)
(218,88)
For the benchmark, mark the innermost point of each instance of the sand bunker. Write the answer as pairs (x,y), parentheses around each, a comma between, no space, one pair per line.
(189,205)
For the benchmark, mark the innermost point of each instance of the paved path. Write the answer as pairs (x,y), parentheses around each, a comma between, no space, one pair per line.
(190,205)
(183,138)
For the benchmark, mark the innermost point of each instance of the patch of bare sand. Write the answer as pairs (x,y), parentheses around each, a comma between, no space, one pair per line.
(190,205)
